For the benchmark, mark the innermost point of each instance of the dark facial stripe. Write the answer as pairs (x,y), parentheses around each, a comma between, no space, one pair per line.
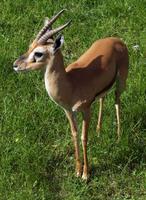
(107,87)
(22,57)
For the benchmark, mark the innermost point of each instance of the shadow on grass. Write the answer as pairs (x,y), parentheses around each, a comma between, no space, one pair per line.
(55,165)
(53,177)
(125,158)
(123,162)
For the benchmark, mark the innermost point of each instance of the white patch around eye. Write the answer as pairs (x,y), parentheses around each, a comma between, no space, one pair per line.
(38,49)
(30,57)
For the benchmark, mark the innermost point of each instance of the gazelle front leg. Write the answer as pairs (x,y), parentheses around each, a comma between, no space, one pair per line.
(73,126)
(84,138)
(99,124)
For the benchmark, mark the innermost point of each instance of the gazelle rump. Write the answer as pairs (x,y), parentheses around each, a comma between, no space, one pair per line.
(75,88)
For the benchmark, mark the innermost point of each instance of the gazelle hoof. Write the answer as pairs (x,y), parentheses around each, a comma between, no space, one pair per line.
(85,177)
(78,170)
(78,174)
(118,140)
(98,130)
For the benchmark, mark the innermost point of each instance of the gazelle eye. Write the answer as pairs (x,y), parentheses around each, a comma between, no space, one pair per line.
(38,54)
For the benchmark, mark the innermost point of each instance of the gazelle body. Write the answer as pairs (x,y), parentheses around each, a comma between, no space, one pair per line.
(75,88)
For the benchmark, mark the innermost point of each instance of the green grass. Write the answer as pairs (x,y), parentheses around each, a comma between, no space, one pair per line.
(36,151)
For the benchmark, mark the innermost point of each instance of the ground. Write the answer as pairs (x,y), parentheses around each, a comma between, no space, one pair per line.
(36,151)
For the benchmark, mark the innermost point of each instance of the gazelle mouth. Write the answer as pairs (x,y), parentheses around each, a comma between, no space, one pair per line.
(20,70)
(16,69)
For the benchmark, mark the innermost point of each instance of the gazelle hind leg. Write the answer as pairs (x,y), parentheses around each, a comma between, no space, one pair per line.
(99,123)
(120,86)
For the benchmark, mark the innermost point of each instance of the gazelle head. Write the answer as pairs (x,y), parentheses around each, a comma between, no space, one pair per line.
(42,48)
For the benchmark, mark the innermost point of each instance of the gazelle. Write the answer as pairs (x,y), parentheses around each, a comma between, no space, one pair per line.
(75,88)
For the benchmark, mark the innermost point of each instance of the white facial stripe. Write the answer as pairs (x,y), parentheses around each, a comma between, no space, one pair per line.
(38,49)
(30,57)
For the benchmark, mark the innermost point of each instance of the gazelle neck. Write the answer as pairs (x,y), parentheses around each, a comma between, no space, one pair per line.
(56,82)
(56,65)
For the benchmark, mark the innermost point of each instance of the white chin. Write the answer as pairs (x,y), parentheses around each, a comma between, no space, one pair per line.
(19,70)
(16,69)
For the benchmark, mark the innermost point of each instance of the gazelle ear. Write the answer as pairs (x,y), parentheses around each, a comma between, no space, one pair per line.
(58,43)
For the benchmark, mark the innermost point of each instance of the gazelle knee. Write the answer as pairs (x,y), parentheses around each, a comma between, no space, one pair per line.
(84,140)
(74,135)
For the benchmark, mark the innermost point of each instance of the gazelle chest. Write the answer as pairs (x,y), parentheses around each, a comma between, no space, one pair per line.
(55,91)
(58,88)
(51,89)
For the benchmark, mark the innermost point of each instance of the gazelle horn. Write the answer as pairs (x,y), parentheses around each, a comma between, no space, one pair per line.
(48,24)
(50,33)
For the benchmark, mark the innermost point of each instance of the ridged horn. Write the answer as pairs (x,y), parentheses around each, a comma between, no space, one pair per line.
(50,33)
(48,24)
